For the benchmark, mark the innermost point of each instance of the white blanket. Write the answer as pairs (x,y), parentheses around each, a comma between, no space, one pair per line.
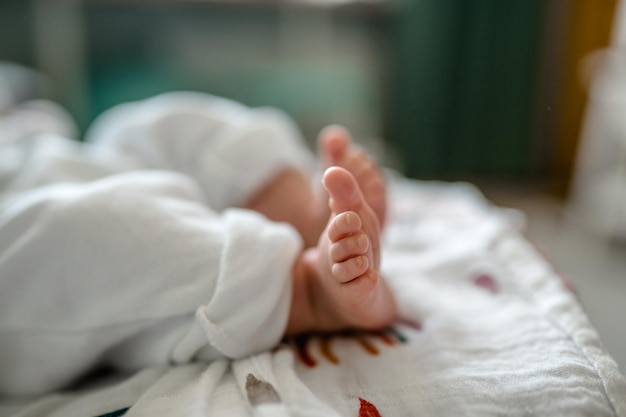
(127,251)
(487,329)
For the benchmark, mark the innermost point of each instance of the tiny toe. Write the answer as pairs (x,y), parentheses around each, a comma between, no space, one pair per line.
(344,224)
(364,168)
(374,189)
(349,247)
(374,181)
(333,143)
(343,189)
(348,270)
(358,292)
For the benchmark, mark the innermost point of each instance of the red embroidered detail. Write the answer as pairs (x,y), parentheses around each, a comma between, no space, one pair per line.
(416,325)
(385,337)
(487,282)
(367,409)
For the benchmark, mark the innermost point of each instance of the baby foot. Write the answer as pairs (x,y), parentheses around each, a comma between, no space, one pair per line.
(336,149)
(346,288)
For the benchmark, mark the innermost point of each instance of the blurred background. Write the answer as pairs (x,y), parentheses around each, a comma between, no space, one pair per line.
(525,98)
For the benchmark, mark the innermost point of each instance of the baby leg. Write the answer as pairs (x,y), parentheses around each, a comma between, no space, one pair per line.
(342,284)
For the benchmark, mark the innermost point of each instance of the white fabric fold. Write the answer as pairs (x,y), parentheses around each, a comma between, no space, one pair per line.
(230,149)
(137,260)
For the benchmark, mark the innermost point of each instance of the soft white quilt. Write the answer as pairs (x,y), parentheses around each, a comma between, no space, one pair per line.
(487,328)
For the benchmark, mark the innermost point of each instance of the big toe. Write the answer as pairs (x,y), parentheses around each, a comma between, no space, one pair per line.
(343,189)
(333,144)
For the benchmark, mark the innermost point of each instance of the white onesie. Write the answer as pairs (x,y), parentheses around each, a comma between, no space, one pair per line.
(126,250)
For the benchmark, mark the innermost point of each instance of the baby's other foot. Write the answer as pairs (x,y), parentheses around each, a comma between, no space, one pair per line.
(337,149)
(347,290)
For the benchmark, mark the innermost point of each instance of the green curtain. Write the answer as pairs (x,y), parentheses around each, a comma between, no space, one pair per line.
(464,75)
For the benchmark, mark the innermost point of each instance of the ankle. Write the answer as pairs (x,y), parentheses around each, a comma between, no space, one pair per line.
(301,315)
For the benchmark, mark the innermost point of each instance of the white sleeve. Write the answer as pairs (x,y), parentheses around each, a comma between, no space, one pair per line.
(230,149)
(134,260)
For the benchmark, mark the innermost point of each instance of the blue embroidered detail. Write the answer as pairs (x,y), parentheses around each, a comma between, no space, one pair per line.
(116,413)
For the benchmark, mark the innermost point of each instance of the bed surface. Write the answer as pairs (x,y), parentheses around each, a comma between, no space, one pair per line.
(487,328)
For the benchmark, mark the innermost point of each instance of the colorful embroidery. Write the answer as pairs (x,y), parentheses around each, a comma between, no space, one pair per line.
(326,350)
(401,338)
(260,392)
(386,338)
(116,413)
(303,351)
(369,348)
(486,282)
(389,337)
(367,409)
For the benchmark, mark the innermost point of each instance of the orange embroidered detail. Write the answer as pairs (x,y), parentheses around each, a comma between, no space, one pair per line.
(327,352)
(389,336)
(369,348)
